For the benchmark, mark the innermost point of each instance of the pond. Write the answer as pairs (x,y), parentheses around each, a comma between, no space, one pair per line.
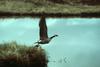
(78,43)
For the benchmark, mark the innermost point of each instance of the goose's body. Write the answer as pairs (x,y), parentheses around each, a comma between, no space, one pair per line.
(46,41)
(43,32)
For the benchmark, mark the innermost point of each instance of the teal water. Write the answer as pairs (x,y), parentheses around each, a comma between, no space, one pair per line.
(78,44)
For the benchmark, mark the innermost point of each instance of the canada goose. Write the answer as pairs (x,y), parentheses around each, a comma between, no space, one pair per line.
(43,32)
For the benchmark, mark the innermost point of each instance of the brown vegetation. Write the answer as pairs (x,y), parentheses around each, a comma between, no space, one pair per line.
(14,55)
(49,8)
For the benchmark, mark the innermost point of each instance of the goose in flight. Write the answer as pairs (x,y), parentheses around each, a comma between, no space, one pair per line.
(43,32)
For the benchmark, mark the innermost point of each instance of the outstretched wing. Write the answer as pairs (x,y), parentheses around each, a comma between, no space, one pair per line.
(43,29)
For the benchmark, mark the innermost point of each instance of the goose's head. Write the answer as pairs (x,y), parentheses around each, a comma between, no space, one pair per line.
(55,35)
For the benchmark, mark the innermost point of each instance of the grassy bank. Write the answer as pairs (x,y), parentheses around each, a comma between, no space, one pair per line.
(16,55)
(48,7)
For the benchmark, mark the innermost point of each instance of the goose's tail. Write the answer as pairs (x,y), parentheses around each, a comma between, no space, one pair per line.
(36,44)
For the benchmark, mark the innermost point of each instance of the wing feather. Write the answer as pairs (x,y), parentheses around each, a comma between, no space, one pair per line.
(43,29)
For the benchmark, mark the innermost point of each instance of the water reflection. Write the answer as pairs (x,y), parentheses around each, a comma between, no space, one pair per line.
(77,45)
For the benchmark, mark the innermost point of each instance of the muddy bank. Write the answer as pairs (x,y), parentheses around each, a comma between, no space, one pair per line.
(57,15)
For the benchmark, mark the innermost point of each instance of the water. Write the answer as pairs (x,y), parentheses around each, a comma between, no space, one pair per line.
(78,44)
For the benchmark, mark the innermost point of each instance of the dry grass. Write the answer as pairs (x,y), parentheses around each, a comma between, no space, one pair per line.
(14,55)
(46,6)
(49,8)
